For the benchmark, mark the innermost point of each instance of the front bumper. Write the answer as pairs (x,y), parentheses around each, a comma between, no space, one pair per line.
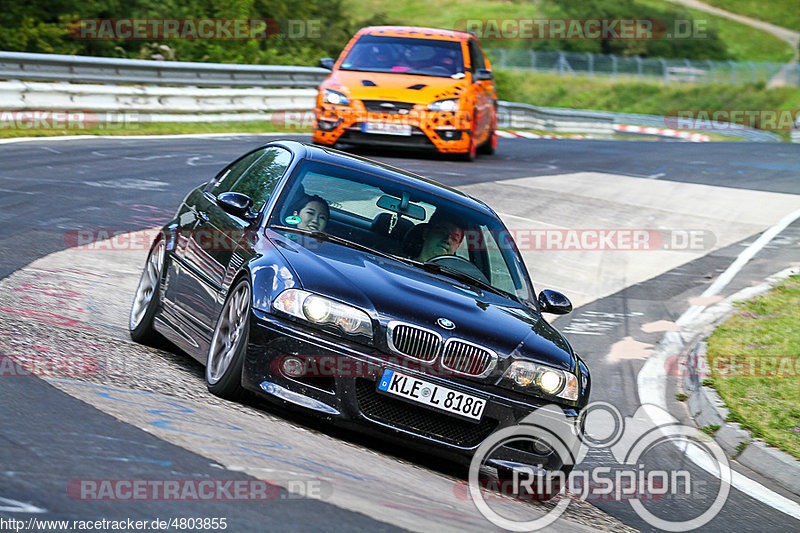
(441,131)
(349,397)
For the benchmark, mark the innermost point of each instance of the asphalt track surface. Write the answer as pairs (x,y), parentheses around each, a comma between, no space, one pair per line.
(48,188)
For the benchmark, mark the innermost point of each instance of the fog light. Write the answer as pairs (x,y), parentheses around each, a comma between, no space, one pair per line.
(292,367)
(541,447)
(326,124)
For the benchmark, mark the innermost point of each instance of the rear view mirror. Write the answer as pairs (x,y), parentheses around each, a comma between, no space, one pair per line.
(554,302)
(402,206)
(326,62)
(483,74)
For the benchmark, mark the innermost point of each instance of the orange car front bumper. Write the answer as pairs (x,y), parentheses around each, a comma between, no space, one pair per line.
(447,132)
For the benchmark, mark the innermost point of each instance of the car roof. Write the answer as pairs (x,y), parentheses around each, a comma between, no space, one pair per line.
(337,157)
(416,32)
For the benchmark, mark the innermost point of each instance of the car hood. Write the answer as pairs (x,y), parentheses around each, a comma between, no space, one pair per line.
(392,290)
(394,87)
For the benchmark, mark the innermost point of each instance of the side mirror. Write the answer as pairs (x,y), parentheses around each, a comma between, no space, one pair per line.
(327,62)
(237,204)
(554,302)
(483,74)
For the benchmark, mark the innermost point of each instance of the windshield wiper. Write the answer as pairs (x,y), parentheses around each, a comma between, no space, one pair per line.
(460,276)
(323,236)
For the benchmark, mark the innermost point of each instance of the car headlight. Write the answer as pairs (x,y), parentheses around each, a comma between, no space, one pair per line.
(335,98)
(448,105)
(323,311)
(551,381)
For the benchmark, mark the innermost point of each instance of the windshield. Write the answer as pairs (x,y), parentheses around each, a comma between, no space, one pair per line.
(402,222)
(403,55)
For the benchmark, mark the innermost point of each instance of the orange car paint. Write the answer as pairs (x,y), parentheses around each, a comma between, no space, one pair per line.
(476,116)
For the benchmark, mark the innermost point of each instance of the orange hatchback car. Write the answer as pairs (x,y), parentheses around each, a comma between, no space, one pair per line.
(409,87)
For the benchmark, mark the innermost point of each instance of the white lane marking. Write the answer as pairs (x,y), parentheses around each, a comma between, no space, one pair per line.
(505,134)
(651,381)
(656,176)
(13,506)
(131,183)
(151,157)
(50,149)
(531,220)
(128,137)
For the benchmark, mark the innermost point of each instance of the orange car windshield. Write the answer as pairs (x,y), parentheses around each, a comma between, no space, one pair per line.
(404,55)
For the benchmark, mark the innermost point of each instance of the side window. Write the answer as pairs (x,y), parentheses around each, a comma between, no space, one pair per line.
(475,56)
(500,276)
(228,177)
(261,178)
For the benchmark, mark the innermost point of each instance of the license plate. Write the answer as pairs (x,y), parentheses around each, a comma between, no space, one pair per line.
(386,128)
(436,396)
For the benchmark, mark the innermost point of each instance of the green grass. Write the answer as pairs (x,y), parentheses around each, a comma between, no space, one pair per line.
(784,13)
(743,42)
(754,358)
(648,97)
(155,128)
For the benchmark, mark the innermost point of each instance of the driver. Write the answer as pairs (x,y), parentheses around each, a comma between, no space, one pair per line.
(442,236)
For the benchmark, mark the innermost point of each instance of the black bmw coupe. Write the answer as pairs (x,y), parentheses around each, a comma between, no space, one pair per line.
(371,296)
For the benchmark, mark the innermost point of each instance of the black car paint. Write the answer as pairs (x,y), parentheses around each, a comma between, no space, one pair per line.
(198,276)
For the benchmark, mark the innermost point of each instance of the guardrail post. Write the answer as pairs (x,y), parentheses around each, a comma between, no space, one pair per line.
(561,62)
(614,66)
(532,53)
(502,58)
(711,69)
(590,59)
(664,70)
(752,72)
(639,67)
(733,71)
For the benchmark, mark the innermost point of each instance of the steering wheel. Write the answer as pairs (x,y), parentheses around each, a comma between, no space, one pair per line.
(461,264)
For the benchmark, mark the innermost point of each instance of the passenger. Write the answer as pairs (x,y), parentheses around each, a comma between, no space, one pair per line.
(313,214)
(442,236)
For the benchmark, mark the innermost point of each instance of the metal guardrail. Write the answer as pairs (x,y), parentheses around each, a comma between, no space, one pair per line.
(54,67)
(666,70)
(514,115)
(114,72)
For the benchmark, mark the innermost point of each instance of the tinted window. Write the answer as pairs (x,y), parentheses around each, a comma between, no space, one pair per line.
(404,55)
(260,179)
(475,56)
(358,201)
(228,177)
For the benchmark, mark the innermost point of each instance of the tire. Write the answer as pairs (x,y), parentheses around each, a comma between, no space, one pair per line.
(489,146)
(229,343)
(146,301)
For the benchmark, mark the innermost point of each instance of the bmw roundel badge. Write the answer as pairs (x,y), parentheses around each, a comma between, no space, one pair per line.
(445,323)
